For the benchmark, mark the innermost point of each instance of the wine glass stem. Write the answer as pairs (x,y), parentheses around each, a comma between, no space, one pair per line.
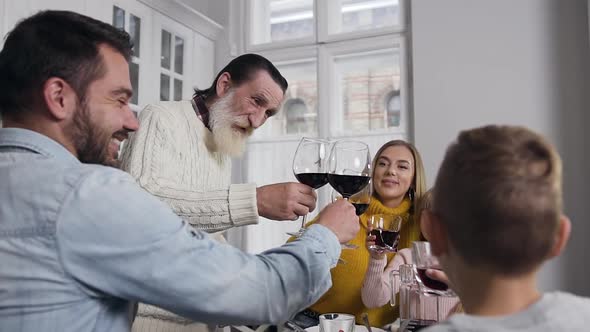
(302,229)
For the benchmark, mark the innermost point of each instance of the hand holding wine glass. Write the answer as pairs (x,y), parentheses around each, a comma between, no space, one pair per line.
(385,229)
(349,170)
(340,218)
(370,244)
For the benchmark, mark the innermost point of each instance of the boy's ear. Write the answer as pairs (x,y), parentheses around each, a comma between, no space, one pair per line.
(562,236)
(435,232)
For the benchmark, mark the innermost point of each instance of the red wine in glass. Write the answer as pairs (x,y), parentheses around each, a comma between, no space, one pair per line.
(348,185)
(429,282)
(385,238)
(314,180)
(360,208)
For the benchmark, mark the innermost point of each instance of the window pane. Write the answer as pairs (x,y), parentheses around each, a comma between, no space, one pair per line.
(276,20)
(369,83)
(134,75)
(135,33)
(178,54)
(165,49)
(177,89)
(358,15)
(394,108)
(118,18)
(164,87)
(298,114)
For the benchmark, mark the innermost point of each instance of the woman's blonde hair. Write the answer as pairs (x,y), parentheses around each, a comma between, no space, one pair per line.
(425,203)
(418,186)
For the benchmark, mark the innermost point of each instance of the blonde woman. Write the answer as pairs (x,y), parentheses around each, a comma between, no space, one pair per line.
(398,182)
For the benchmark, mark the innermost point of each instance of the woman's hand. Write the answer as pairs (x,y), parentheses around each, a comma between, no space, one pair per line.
(370,241)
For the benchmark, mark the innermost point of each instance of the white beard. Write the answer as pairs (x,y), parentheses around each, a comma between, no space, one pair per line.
(227,139)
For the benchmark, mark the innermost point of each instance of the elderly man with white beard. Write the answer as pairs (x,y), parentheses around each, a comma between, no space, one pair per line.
(182,154)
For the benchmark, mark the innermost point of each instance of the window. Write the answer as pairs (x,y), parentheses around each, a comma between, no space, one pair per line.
(356,58)
(366,80)
(298,116)
(126,21)
(345,61)
(393,108)
(171,66)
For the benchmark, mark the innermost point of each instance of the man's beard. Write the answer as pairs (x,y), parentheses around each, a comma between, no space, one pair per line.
(90,141)
(222,120)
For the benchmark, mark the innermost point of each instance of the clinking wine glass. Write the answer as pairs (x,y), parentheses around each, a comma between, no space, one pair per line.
(349,169)
(424,259)
(309,167)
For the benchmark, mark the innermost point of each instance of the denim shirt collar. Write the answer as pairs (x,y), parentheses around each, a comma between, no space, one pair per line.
(38,143)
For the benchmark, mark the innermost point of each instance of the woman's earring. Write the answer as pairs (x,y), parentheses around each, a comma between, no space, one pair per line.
(411,193)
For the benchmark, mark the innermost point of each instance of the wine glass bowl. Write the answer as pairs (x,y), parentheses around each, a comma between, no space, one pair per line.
(362,199)
(385,228)
(349,167)
(424,260)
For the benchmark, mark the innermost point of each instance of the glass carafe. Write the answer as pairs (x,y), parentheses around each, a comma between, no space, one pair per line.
(404,282)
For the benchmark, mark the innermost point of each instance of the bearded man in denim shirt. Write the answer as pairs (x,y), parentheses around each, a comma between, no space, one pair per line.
(80,242)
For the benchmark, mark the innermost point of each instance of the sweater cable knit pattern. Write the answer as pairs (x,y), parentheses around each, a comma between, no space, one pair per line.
(170,157)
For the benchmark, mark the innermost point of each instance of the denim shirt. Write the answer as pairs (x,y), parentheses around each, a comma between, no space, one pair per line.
(81,243)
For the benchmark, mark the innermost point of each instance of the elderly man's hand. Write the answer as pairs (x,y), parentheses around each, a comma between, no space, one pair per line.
(285,201)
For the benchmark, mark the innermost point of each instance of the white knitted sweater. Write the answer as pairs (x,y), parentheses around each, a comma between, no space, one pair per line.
(170,157)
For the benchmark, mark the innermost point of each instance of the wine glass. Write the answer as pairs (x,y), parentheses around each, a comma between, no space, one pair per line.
(385,228)
(360,200)
(309,167)
(424,259)
(349,167)
(349,172)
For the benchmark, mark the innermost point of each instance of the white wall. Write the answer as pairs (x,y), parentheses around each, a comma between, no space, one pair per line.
(520,62)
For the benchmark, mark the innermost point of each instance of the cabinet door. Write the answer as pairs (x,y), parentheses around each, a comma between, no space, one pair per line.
(174,43)
(136,19)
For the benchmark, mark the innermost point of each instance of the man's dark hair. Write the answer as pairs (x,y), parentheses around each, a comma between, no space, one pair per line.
(498,191)
(242,69)
(54,44)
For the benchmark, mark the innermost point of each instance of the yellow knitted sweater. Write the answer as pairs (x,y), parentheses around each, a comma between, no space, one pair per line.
(347,279)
